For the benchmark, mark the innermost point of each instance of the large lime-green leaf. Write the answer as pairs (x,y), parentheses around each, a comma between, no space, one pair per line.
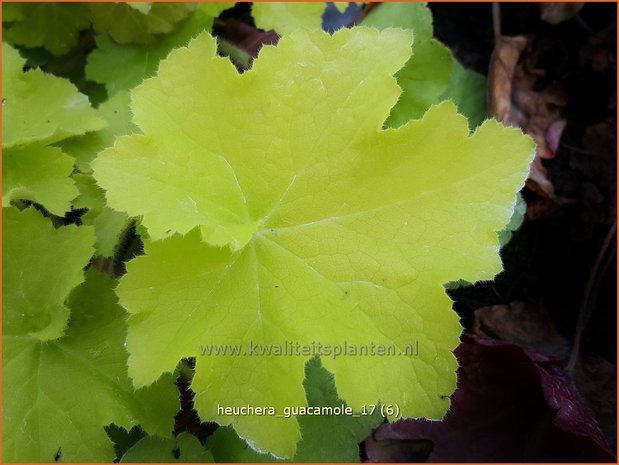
(338,231)
(39,107)
(287,17)
(58,395)
(55,26)
(325,438)
(41,266)
(139,62)
(185,448)
(38,173)
(427,74)
(127,24)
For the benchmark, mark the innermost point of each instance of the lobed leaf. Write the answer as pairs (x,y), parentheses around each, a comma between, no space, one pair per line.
(39,107)
(51,416)
(336,230)
(35,254)
(40,174)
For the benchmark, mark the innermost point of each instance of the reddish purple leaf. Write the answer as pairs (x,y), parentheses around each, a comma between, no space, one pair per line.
(511,404)
(247,38)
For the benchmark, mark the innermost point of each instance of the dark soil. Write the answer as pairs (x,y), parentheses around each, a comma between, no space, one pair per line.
(550,259)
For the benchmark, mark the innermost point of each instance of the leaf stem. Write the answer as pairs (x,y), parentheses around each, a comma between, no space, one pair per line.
(584,313)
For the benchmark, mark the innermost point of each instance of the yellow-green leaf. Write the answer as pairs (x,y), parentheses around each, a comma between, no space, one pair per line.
(337,231)
(38,173)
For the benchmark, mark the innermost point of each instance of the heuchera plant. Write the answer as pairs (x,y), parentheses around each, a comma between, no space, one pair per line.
(297,202)
(278,209)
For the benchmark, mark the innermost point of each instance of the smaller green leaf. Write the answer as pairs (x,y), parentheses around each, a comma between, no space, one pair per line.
(467,89)
(228,447)
(407,15)
(287,17)
(52,25)
(108,223)
(324,438)
(40,174)
(34,255)
(427,74)
(70,388)
(330,438)
(40,107)
(127,24)
(123,439)
(520,210)
(333,259)
(423,80)
(139,62)
(117,114)
(185,448)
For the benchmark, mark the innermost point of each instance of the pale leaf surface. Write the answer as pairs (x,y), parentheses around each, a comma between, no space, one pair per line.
(337,230)
(40,174)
